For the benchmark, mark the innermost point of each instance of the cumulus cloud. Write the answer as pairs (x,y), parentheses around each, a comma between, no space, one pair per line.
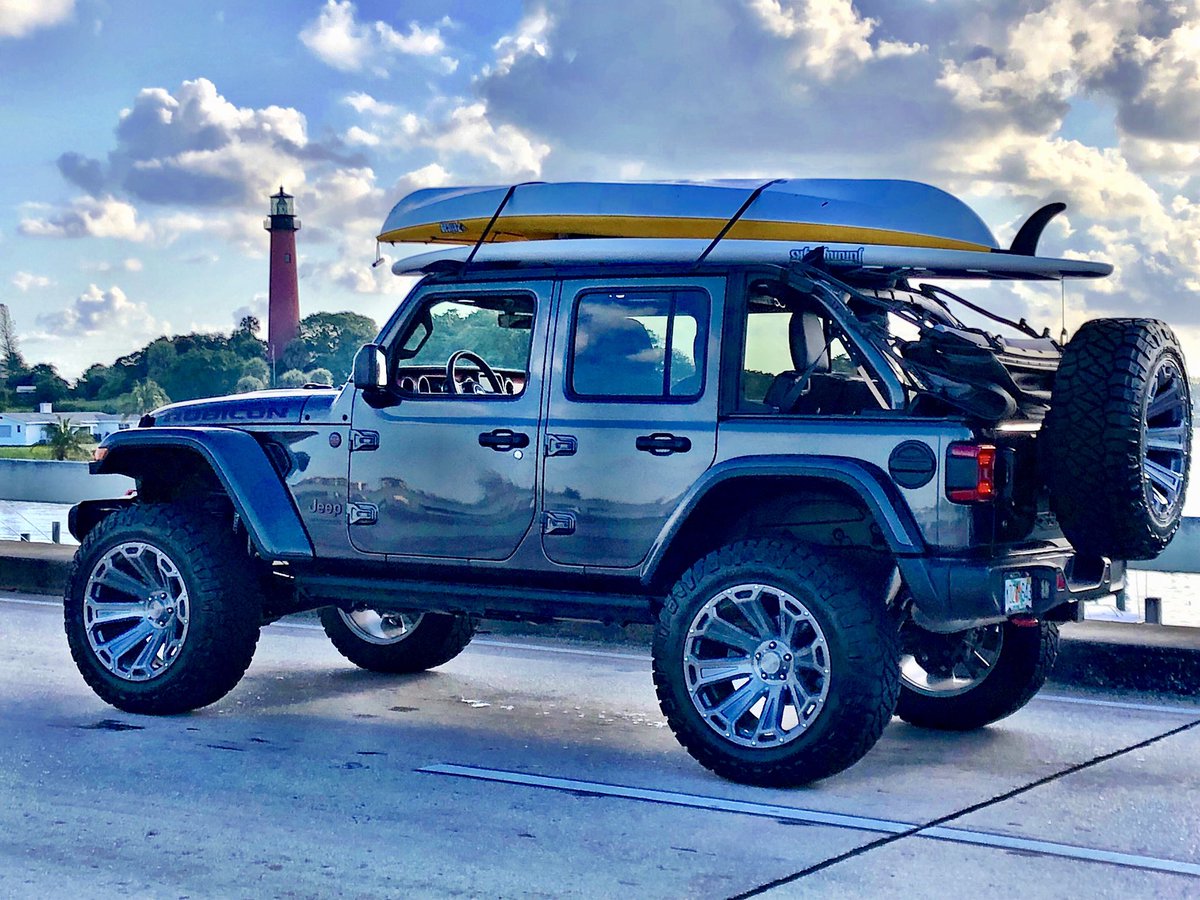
(195,147)
(95,311)
(104,217)
(21,17)
(24,281)
(831,35)
(1145,56)
(338,39)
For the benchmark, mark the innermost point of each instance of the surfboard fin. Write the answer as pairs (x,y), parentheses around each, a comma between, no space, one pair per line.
(1026,241)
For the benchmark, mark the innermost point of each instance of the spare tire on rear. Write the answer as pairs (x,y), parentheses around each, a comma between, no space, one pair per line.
(1118,438)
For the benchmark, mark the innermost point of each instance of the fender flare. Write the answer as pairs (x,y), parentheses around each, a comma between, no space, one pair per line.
(241,465)
(871,485)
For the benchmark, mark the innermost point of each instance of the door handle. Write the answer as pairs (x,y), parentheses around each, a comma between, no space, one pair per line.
(502,439)
(662,444)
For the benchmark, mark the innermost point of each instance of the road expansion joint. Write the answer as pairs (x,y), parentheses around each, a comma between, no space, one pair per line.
(920,830)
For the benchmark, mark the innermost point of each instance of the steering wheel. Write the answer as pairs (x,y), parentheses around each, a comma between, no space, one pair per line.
(453,387)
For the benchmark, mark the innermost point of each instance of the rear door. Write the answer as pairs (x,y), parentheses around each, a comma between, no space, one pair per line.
(632,413)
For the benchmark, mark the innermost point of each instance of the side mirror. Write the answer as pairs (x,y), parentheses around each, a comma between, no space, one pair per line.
(370,368)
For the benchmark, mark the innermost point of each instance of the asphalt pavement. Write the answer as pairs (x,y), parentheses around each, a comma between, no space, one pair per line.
(536,766)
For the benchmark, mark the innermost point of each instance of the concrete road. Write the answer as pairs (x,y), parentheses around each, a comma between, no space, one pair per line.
(530,768)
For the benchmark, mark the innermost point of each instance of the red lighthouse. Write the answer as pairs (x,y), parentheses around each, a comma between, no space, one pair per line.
(283,316)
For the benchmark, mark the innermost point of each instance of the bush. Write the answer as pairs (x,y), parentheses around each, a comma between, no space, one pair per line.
(292,378)
(248,383)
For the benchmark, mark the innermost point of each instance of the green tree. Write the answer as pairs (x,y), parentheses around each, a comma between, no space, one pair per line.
(292,378)
(329,341)
(145,396)
(248,383)
(319,376)
(257,368)
(65,440)
(11,361)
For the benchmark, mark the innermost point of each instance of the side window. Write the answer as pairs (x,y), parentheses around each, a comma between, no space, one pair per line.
(497,329)
(800,357)
(639,345)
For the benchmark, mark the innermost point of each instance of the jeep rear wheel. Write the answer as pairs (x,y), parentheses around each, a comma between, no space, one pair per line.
(965,680)
(397,642)
(161,609)
(772,667)
(1118,438)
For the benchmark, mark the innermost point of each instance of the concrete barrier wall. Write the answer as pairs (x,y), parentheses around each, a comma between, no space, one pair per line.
(50,481)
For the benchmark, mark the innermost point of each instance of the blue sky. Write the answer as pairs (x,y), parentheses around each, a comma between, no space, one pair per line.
(143,138)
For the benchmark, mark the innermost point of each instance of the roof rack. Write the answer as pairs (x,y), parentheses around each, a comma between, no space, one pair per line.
(754,195)
(483,235)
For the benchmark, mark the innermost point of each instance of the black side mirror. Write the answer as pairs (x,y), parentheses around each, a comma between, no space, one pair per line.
(370,368)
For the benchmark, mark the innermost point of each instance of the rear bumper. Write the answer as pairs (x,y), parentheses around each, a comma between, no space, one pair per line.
(953,593)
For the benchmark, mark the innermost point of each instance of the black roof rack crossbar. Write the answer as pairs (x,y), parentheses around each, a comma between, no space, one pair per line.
(487,229)
(733,221)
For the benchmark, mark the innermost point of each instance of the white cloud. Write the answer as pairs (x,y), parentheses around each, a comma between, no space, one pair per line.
(529,38)
(96,311)
(102,217)
(361,137)
(21,17)
(506,147)
(338,39)
(832,36)
(194,146)
(24,281)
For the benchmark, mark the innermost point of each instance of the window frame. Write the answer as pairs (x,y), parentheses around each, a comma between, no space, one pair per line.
(423,304)
(635,290)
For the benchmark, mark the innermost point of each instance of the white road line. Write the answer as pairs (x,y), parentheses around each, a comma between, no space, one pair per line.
(817,817)
(570,651)
(1120,704)
(24,602)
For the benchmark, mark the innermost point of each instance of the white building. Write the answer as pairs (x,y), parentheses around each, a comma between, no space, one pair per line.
(25,429)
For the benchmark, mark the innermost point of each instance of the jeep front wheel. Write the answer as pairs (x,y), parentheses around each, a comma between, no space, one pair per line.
(161,610)
(772,667)
(968,679)
(397,642)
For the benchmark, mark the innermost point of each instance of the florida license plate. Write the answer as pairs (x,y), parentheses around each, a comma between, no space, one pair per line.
(1018,594)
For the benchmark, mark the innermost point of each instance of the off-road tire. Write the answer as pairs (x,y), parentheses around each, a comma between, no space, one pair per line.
(224,616)
(437,639)
(1095,438)
(863,663)
(1027,656)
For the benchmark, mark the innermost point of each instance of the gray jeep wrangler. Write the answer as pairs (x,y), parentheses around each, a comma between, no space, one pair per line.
(834,500)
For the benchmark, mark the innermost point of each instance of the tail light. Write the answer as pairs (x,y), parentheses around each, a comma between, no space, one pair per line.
(971,473)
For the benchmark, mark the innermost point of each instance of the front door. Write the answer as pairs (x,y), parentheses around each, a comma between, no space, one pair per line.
(445,464)
(632,414)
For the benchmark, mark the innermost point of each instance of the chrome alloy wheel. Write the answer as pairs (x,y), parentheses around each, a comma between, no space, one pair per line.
(380,628)
(135,611)
(756,664)
(1164,463)
(946,665)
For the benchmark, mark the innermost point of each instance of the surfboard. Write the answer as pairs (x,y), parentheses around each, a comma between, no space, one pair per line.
(845,211)
(847,259)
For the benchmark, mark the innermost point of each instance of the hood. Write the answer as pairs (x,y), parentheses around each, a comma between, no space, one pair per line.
(257,408)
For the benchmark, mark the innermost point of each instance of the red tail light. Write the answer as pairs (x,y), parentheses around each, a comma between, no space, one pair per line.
(971,473)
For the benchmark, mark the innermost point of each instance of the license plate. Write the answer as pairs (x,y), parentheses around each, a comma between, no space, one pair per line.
(1018,594)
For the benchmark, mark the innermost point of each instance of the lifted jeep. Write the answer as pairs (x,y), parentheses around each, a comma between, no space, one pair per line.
(835,500)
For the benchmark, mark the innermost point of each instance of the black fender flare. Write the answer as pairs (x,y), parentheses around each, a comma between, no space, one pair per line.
(241,465)
(874,487)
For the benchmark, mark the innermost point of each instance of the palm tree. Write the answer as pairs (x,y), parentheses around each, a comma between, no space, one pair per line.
(65,440)
(145,396)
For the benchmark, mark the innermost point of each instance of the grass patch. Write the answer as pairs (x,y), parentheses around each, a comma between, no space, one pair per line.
(37,452)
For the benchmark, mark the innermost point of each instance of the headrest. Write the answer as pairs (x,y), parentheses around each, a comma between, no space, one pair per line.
(806,336)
